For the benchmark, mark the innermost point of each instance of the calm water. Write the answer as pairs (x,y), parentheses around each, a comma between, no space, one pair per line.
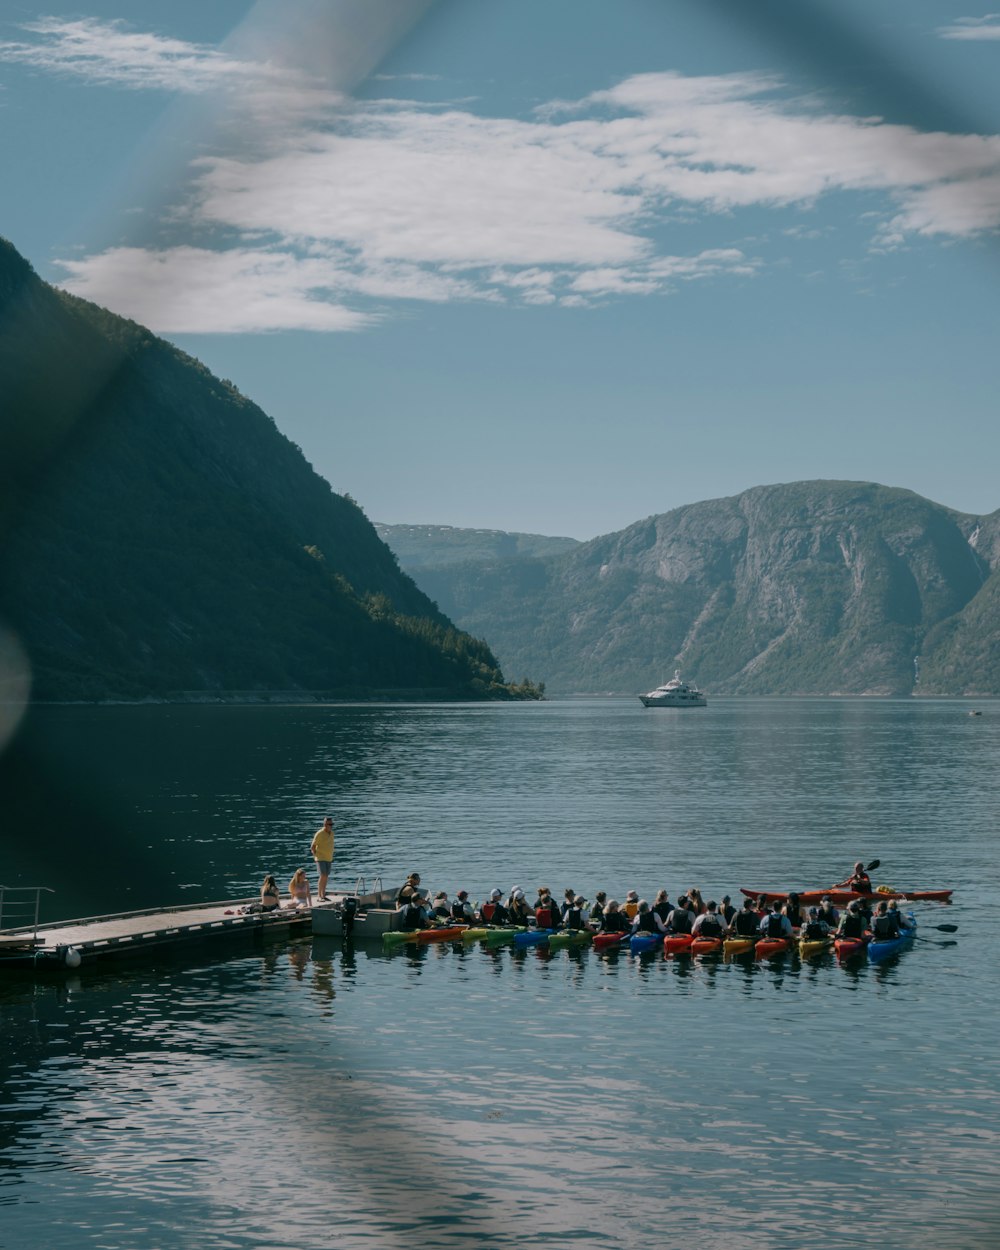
(309,1095)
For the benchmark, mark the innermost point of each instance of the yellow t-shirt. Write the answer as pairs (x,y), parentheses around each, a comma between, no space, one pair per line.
(322,844)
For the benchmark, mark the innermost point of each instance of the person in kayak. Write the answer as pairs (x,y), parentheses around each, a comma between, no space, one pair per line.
(413,913)
(662,907)
(615,920)
(793,910)
(885,923)
(546,912)
(747,921)
(409,887)
(776,924)
(828,912)
(440,906)
(645,919)
(681,918)
(518,911)
(696,903)
(763,908)
(726,909)
(815,927)
(597,911)
(461,909)
(493,910)
(710,924)
(904,921)
(631,904)
(859,881)
(852,923)
(575,916)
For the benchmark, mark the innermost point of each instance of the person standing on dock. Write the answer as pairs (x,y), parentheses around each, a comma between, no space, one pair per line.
(321,849)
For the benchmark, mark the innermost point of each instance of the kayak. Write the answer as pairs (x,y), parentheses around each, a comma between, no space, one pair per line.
(444,934)
(499,937)
(814,946)
(532,937)
(476,935)
(678,943)
(890,946)
(706,946)
(738,945)
(609,941)
(769,948)
(641,942)
(848,947)
(807,897)
(571,937)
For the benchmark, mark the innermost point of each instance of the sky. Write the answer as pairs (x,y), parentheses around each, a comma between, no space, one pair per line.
(542,265)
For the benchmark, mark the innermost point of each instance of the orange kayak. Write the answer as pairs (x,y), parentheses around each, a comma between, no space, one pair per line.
(678,943)
(706,946)
(767,948)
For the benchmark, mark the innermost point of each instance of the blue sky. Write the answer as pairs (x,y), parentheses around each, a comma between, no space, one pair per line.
(544,265)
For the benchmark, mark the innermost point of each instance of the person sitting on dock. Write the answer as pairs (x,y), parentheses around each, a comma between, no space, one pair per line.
(859,880)
(299,889)
(270,896)
(746,923)
(710,924)
(776,924)
(409,887)
(461,909)
(852,923)
(614,919)
(681,918)
(321,849)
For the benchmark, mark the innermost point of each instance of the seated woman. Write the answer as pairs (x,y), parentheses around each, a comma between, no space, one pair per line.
(270,898)
(299,889)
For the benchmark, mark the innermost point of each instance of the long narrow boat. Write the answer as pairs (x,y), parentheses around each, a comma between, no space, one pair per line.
(678,943)
(770,948)
(706,946)
(892,946)
(738,945)
(609,941)
(502,937)
(845,896)
(444,933)
(848,948)
(571,937)
(533,937)
(814,946)
(639,943)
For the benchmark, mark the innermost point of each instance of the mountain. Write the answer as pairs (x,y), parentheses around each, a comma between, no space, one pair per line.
(805,588)
(437,546)
(159,536)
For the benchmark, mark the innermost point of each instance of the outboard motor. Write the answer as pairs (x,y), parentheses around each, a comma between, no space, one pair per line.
(348,911)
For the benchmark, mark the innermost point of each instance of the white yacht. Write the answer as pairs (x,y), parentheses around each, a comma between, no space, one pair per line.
(676,693)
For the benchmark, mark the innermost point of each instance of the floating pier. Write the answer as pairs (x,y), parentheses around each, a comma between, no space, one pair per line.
(68,944)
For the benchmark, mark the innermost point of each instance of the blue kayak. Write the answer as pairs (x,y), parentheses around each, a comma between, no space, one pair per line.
(882,950)
(533,937)
(640,942)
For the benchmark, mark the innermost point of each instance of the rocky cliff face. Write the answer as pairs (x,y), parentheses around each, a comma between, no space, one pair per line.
(812,587)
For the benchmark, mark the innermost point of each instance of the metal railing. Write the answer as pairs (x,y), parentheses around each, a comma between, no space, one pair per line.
(20,906)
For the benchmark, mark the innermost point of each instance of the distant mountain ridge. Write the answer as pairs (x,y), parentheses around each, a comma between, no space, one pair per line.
(804,588)
(436,546)
(158,534)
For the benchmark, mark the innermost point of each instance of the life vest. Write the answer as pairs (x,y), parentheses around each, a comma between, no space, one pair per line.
(486,911)
(814,930)
(412,917)
(615,922)
(543,917)
(646,923)
(630,909)
(573,919)
(710,928)
(663,910)
(776,926)
(728,912)
(747,923)
(853,925)
(500,914)
(681,920)
(884,927)
(794,915)
(460,910)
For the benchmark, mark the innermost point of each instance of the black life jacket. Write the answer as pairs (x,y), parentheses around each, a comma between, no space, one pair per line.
(728,912)
(412,917)
(775,926)
(573,918)
(663,910)
(615,922)
(853,925)
(829,914)
(710,928)
(681,920)
(747,923)
(458,911)
(500,914)
(645,923)
(885,927)
(814,930)
(794,915)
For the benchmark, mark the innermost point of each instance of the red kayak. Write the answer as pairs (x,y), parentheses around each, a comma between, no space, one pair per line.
(440,935)
(807,897)
(608,941)
(706,946)
(678,943)
(847,947)
(767,948)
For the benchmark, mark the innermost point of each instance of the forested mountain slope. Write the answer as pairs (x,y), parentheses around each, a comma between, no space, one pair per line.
(158,534)
(805,588)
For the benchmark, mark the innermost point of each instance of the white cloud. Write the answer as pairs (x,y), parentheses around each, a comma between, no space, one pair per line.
(973,28)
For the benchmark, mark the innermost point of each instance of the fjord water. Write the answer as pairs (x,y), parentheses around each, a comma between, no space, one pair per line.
(309,1094)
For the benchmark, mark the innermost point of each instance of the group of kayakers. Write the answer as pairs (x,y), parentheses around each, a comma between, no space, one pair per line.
(778,918)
